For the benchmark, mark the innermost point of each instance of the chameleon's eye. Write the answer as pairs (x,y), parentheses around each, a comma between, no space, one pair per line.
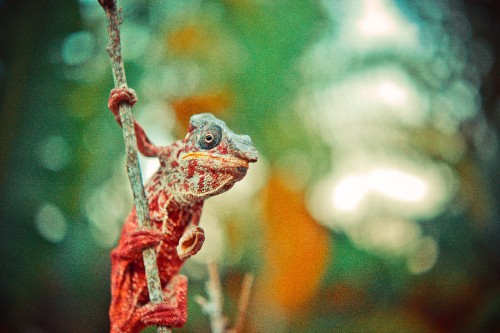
(210,137)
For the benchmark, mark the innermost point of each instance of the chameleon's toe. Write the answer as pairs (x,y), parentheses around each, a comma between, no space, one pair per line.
(143,238)
(137,241)
(163,314)
(118,96)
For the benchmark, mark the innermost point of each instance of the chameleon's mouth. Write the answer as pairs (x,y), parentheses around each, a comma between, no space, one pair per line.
(228,161)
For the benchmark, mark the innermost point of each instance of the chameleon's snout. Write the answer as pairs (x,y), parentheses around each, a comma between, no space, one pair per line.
(246,149)
(242,168)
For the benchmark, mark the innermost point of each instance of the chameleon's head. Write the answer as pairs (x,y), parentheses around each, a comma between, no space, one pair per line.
(213,157)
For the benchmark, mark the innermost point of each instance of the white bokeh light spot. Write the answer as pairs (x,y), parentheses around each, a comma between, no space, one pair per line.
(392,93)
(348,194)
(398,185)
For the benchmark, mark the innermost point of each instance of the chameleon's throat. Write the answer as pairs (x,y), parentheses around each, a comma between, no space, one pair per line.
(214,190)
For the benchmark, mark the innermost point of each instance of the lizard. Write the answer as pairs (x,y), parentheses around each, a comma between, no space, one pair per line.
(208,161)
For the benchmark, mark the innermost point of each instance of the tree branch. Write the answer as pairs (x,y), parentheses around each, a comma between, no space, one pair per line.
(246,288)
(133,167)
(213,307)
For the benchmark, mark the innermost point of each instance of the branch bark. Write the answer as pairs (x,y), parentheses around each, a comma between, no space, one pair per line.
(246,288)
(213,306)
(133,167)
(215,302)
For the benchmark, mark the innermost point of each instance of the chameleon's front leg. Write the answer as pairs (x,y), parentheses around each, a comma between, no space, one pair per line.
(173,311)
(136,242)
(191,242)
(128,96)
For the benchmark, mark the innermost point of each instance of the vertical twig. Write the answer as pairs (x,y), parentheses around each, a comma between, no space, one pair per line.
(133,167)
(213,307)
(246,288)
(215,303)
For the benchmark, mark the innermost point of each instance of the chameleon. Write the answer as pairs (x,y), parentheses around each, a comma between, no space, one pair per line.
(208,161)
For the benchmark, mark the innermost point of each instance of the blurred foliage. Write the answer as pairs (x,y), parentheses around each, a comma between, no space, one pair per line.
(373,208)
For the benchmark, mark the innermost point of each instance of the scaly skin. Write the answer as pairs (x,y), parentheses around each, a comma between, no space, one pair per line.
(207,162)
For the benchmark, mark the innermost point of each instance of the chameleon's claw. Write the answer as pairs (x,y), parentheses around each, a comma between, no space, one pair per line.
(190,243)
(138,241)
(170,313)
(128,96)
(163,314)
(145,237)
(118,96)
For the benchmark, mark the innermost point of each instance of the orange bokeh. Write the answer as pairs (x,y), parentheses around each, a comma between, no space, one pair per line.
(297,249)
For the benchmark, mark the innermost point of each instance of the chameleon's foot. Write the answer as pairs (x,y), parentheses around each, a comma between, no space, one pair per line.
(190,243)
(128,96)
(137,241)
(164,314)
(173,311)
(118,96)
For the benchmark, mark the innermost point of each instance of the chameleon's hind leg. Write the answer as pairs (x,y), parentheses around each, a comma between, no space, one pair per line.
(172,312)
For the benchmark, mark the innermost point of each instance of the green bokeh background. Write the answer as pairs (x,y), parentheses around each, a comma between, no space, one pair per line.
(59,145)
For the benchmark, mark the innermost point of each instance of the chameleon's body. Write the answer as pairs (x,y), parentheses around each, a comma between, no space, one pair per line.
(207,162)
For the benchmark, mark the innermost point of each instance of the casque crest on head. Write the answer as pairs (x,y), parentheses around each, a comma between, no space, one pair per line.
(210,137)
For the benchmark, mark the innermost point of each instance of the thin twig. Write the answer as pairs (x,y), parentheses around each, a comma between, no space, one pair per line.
(246,288)
(215,303)
(213,307)
(133,167)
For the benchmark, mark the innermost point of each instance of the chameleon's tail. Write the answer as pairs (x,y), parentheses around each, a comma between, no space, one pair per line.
(127,95)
